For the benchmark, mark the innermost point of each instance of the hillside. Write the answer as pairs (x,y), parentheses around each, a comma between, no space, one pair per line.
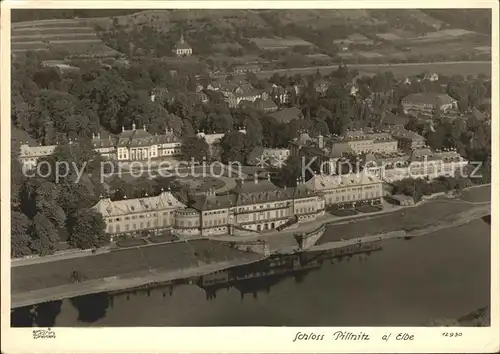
(293,36)
(71,36)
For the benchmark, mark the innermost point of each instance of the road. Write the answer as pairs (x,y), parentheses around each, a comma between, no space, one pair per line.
(312,69)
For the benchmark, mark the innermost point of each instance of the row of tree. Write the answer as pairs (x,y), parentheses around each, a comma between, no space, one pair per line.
(47,210)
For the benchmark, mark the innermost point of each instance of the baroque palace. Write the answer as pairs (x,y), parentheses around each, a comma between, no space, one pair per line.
(253,206)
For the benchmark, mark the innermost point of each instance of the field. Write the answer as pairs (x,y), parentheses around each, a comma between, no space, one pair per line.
(164,20)
(399,70)
(279,43)
(443,35)
(73,36)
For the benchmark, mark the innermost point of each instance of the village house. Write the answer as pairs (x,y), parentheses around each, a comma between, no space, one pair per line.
(235,92)
(326,151)
(287,115)
(431,77)
(30,155)
(267,106)
(275,157)
(246,68)
(279,94)
(321,86)
(427,103)
(362,142)
(391,120)
(213,140)
(161,94)
(407,140)
(104,146)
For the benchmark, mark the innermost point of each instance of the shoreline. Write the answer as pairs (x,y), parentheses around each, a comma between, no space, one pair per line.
(151,277)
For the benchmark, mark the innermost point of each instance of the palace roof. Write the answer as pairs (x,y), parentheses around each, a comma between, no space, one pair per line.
(163,201)
(325,182)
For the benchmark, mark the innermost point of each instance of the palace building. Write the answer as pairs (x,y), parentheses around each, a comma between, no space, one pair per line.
(427,103)
(30,155)
(256,205)
(129,145)
(138,144)
(348,189)
(361,142)
(420,163)
(141,214)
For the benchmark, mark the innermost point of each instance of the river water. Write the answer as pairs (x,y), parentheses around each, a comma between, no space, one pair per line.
(408,282)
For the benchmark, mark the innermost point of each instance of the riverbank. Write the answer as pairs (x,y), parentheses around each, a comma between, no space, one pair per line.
(121,283)
(152,276)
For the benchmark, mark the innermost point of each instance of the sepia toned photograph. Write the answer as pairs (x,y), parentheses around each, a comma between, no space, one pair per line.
(250,167)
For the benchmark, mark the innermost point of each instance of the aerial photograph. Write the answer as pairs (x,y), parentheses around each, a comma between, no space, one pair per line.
(251,167)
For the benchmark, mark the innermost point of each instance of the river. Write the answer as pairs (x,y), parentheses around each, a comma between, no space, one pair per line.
(408,282)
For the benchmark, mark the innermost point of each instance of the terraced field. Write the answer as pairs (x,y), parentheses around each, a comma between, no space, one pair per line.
(75,37)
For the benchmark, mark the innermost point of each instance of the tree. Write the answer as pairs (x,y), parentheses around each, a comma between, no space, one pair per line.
(233,147)
(20,240)
(290,172)
(195,148)
(44,236)
(87,229)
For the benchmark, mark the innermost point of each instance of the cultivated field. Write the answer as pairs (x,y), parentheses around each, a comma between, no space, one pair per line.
(399,70)
(72,36)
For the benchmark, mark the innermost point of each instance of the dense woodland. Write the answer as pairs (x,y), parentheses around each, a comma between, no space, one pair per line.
(54,108)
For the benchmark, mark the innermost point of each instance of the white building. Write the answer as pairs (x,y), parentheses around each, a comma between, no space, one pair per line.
(138,144)
(420,163)
(141,214)
(348,189)
(29,155)
(183,49)
(276,157)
